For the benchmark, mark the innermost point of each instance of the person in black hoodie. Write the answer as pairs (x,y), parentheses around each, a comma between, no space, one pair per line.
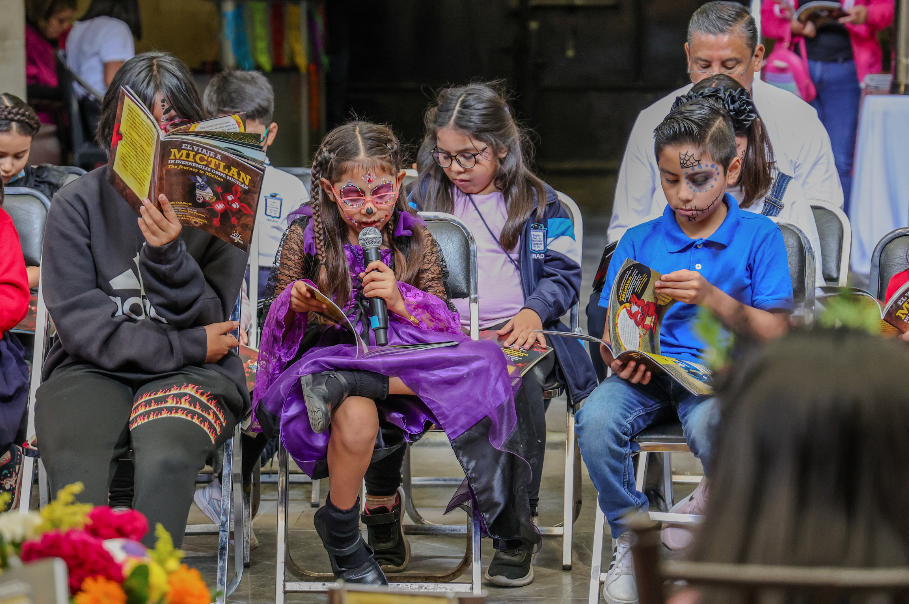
(144,360)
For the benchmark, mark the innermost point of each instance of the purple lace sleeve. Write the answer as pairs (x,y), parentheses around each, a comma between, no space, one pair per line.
(428,311)
(277,347)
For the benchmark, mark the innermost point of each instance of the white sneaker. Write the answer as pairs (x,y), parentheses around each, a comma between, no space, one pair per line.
(619,587)
(208,498)
(676,536)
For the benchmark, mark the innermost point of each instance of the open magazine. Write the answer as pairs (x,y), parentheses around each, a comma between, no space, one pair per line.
(820,12)
(894,314)
(524,360)
(635,315)
(210,171)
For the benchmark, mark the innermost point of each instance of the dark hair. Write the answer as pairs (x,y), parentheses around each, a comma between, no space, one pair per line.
(147,75)
(812,461)
(369,146)
(124,10)
(42,10)
(719,18)
(729,95)
(482,113)
(235,91)
(702,124)
(17,116)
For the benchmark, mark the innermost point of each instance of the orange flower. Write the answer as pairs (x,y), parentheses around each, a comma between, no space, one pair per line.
(98,590)
(186,587)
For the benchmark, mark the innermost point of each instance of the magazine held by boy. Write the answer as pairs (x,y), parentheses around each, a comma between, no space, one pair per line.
(635,315)
(210,171)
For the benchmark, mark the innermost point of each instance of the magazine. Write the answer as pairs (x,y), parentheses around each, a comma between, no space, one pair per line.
(820,12)
(524,360)
(894,314)
(635,315)
(211,171)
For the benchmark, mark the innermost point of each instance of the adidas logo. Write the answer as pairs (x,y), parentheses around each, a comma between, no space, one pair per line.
(137,307)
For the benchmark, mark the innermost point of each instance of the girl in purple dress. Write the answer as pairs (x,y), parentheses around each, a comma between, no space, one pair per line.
(338,408)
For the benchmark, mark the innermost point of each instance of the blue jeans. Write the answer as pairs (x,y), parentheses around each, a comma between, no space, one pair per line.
(837,104)
(617,411)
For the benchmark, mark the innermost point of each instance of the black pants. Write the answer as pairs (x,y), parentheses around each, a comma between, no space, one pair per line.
(383,476)
(88,418)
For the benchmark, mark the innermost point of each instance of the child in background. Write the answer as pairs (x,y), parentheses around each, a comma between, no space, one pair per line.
(45,23)
(474,164)
(144,361)
(250,93)
(18,126)
(710,254)
(312,376)
(14,297)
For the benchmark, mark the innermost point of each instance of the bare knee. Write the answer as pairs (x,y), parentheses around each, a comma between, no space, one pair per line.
(355,424)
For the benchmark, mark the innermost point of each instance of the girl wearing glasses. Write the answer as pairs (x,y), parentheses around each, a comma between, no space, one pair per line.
(474,164)
(339,409)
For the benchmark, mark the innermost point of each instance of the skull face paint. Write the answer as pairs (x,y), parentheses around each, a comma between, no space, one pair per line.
(694,184)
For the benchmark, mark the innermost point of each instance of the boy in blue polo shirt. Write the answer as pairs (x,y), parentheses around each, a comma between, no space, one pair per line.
(710,254)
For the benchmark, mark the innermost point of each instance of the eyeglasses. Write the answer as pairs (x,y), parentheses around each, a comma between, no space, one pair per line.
(465,160)
(353,196)
(732,72)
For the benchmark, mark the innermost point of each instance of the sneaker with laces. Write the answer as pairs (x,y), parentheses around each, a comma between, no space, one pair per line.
(619,586)
(678,536)
(208,499)
(511,568)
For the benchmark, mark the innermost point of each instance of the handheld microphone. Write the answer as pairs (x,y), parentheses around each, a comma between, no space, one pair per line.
(370,239)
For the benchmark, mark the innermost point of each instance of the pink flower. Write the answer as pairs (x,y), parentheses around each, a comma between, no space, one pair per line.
(105,523)
(84,555)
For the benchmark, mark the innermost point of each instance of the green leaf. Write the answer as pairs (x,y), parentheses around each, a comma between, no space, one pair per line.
(849,310)
(136,585)
(717,340)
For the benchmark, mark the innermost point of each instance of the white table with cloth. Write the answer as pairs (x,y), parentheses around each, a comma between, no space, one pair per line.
(880,186)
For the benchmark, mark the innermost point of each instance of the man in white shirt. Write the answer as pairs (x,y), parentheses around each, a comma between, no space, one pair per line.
(723,38)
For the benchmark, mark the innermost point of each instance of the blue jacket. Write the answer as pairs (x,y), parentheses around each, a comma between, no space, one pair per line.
(551,278)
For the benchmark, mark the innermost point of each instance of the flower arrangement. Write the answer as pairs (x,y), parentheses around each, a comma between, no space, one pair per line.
(106,562)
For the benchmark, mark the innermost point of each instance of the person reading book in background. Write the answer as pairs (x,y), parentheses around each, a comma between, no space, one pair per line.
(340,409)
(14,296)
(474,163)
(841,52)
(144,361)
(18,126)
(812,465)
(711,255)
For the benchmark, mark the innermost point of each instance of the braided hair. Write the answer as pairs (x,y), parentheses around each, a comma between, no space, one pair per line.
(364,145)
(17,116)
(727,94)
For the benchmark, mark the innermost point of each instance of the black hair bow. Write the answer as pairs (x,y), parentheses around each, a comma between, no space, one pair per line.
(737,103)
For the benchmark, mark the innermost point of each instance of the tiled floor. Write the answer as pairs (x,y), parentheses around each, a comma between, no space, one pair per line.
(434,458)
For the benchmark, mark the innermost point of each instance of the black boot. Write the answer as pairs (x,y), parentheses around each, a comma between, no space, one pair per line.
(324,392)
(351,559)
(385,532)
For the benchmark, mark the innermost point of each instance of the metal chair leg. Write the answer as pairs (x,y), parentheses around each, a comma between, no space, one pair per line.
(28,480)
(281,566)
(568,491)
(316,494)
(667,479)
(231,497)
(476,552)
(43,486)
(641,470)
(596,560)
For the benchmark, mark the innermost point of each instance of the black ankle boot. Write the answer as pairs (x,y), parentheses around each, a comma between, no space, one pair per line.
(351,559)
(324,392)
(385,532)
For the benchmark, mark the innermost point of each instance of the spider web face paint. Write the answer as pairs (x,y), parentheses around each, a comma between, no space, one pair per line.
(688,160)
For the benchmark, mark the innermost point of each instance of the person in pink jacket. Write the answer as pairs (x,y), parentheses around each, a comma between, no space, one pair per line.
(840,54)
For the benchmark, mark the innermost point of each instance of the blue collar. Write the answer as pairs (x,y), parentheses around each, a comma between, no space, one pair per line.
(676,239)
(17,176)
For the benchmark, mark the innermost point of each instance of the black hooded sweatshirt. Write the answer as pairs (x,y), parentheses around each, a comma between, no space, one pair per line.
(126,306)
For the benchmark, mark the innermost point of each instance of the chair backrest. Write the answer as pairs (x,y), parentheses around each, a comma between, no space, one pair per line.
(28,209)
(599,280)
(460,251)
(753,579)
(891,256)
(72,173)
(800,256)
(577,221)
(835,235)
(304,174)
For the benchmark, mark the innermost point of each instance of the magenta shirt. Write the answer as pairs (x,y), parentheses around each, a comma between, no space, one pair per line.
(40,67)
(500,292)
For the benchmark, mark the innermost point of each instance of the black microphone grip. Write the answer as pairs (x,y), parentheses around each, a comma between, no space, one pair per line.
(377,307)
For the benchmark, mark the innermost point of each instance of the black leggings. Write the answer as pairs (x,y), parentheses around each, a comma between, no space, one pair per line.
(87,419)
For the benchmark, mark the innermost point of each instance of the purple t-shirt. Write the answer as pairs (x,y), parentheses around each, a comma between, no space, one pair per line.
(500,292)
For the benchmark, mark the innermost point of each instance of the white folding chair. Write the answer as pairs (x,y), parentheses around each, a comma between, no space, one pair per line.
(668,438)
(451,234)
